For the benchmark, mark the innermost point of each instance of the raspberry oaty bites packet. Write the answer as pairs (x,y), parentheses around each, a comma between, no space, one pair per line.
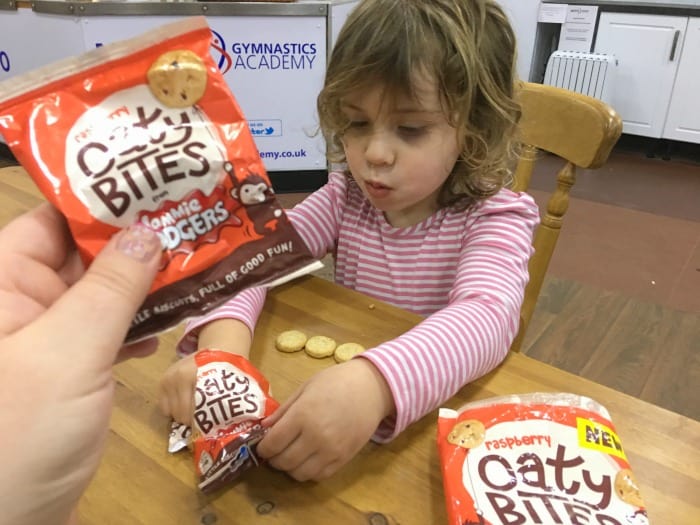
(551,459)
(146,130)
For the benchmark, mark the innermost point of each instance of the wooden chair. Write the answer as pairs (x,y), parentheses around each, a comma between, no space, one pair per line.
(582,131)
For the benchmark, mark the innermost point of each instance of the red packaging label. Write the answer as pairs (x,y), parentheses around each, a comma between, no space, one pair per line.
(146,130)
(231,399)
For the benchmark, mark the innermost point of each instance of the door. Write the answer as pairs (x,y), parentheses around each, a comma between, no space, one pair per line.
(683,121)
(647,48)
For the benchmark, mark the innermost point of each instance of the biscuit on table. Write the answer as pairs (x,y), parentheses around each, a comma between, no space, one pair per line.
(347,351)
(320,346)
(469,433)
(627,488)
(290,341)
(178,78)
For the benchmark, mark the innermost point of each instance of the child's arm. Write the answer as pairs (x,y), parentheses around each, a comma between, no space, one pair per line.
(380,393)
(229,335)
(472,335)
(230,326)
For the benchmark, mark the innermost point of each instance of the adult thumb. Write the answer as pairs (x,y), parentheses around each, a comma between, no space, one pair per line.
(90,321)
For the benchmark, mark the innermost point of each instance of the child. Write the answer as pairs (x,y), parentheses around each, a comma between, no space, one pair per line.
(418,101)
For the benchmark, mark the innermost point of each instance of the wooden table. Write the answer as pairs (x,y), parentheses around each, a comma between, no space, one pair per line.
(140,483)
(399,483)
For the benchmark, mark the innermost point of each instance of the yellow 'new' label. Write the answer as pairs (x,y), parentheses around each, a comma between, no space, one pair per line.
(597,436)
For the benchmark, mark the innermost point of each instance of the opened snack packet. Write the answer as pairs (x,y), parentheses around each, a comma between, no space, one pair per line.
(536,458)
(231,399)
(147,131)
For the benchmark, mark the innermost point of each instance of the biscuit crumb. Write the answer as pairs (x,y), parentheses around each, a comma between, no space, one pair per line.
(371,306)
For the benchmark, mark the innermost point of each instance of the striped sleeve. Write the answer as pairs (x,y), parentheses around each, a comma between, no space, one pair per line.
(316,220)
(471,335)
(317,217)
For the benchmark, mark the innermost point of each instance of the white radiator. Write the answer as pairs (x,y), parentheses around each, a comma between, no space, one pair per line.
(592,74)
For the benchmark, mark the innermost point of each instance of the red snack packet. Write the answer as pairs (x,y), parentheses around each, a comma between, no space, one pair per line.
(146,130)
(231,399)
(536,458)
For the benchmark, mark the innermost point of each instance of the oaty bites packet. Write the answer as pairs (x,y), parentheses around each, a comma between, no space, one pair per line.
(536,458)
(231,399)
(147,130)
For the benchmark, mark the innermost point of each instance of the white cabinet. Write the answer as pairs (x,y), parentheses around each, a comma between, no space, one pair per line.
(648,50)
(683,120)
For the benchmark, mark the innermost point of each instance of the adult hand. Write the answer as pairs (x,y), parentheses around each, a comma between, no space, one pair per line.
(327,421)
(61,330)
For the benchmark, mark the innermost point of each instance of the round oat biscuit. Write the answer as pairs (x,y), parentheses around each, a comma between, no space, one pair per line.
(469,433)
(347,351)
(178,78)
(320,346)
(627,488)
(290,341)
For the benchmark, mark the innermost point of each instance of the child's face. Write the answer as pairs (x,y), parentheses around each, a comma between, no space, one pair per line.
(400,150)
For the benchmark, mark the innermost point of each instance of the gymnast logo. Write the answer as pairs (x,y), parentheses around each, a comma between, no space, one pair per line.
(4,61)
(218,51)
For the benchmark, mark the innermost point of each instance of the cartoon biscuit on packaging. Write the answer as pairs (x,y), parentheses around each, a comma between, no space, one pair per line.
(627,488)
(467,434)
(178,78)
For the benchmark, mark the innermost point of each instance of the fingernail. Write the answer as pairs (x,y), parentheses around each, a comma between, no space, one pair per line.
(139,242)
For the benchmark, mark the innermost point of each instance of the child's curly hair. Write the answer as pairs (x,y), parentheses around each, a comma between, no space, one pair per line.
(468,47)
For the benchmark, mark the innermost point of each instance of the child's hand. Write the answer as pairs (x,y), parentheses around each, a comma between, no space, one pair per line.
(327,421)
(177,390)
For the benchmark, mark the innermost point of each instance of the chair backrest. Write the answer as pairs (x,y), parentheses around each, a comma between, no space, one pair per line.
(582,131)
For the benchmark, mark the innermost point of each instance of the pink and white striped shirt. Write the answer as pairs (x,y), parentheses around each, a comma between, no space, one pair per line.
(465,271)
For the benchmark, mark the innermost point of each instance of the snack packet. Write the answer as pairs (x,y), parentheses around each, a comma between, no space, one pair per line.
(536,458)
(147,131)
(231,399)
